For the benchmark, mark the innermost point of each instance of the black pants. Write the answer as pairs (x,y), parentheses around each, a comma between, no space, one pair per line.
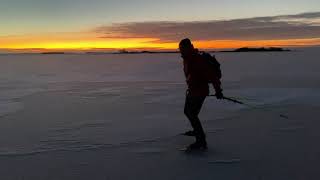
(192,109)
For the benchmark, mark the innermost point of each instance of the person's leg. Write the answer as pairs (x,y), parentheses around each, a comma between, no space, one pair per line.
(192,109)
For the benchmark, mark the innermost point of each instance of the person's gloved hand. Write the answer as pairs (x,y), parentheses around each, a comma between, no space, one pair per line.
(219,95)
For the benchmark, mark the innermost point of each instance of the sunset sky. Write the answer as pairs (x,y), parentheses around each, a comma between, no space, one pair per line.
(43,25)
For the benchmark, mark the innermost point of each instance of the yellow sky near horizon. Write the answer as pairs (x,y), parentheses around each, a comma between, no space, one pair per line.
(91,41)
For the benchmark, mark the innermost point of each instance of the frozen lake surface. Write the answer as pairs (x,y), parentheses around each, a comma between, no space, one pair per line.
(118,117)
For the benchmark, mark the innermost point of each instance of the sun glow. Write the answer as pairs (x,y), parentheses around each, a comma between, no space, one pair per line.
(82,42)
(224,44)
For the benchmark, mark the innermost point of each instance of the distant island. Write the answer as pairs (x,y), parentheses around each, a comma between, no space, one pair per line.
(133,52)
(263,49)
(123,51)
(53,53)
(244,49)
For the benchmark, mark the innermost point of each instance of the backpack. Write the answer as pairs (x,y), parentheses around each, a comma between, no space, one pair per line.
(213,64)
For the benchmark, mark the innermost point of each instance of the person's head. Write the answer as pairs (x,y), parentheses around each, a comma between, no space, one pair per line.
(186,47)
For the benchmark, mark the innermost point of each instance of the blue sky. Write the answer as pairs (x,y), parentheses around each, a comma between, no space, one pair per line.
(40,16)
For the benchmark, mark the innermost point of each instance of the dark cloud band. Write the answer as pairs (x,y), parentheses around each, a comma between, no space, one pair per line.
(306,25)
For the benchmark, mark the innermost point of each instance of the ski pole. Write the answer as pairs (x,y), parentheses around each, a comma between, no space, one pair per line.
(231,99)
(242,103)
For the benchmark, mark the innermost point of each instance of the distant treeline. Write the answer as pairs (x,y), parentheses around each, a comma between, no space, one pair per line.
(244,49)
(53,53)
(134,52)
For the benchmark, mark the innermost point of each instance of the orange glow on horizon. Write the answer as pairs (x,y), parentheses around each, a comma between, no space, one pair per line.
(82,41)
(228,44)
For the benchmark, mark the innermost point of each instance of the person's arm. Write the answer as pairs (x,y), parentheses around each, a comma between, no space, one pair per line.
(217,87)
(216,82)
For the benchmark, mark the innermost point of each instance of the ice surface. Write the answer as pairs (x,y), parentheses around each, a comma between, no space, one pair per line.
(120,116)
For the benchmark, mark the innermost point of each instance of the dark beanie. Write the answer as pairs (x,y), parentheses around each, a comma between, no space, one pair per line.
(185,43)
